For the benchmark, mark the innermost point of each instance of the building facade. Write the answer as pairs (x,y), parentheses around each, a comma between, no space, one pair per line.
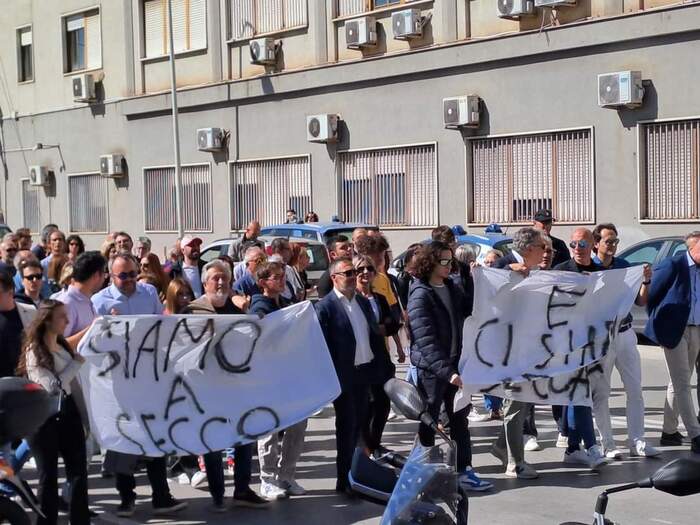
(542,139)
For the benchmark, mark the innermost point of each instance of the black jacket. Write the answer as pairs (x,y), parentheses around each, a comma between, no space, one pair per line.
(262,305)
(340,339)
(430,330)
(324,284)
(176,270)
(561,253)
(505,261)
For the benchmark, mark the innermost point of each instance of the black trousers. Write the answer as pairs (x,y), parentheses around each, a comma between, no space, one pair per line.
(157,476)
(529,427)
(350,412)
(62,435)
(436,392)
(377,415)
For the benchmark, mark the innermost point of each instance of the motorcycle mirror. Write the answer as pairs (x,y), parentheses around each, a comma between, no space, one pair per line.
(406,398)
(680,477)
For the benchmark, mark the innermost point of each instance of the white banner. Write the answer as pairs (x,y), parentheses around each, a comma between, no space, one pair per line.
(187,385)
(533,338)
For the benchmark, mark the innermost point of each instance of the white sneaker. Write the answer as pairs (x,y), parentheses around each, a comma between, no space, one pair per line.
(292,488)
(531,443)
(521,471)
(182,479)
(198,478)
(562,441)
(31,463)
(393,416)
(578,457)
(613,453)
(595,457)
(642,449)
(272,492)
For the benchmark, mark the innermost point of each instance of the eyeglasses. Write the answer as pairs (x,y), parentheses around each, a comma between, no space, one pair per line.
(612,242)
(366,269)
(581,245)
(34,277)
(347,273)
(123,276)
(445,262)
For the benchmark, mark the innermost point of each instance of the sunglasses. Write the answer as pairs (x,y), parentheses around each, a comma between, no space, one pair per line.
(347,273)
(581,245)
(366,269)
(612,242)
(445,262)
(34,277)
(123,276)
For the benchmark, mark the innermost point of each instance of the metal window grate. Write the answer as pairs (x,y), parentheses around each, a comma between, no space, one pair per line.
(254,17)
(87,198)
(513,177)
(389,187)
(159,199)
(670,170)
(266,189)
(30,207)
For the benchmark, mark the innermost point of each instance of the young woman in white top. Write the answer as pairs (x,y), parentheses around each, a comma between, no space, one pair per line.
(48,360)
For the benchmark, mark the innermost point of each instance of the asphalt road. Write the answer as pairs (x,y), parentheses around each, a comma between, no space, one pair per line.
(559,495)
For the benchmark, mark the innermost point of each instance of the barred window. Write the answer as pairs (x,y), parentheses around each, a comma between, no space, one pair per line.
(670,171)
(389,187)
(256,17)
(189,23)
(513,177)
(265,189)
(356,7)
(87,197)
(159,198)
(30,207)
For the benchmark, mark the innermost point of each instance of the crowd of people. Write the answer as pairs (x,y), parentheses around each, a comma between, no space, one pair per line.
(51,291)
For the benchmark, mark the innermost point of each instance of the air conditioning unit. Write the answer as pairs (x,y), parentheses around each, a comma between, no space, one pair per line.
(83,88)
(514,9)
(554,3)
(623,88)
(322,128)
(38,176)
(407,24)
(210,139)
(263,51)
(361,32)
(112,165)
(459,112)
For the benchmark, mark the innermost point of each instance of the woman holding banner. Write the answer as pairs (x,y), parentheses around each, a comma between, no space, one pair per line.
(436,313)
(48,359)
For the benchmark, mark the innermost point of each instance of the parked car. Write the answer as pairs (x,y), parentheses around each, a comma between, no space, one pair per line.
(317,231)
(4,228)
(651,251)
(318,255)
(481,244)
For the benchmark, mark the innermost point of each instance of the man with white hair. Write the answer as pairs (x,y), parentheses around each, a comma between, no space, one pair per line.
(8,250)
(246,284)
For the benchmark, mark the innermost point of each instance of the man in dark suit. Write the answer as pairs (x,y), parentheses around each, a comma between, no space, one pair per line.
(674,323)
(356,348)
(543,221)
(528,246)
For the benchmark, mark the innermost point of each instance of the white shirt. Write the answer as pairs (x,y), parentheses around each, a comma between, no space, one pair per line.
(192,275)
(360,328)
(518,257)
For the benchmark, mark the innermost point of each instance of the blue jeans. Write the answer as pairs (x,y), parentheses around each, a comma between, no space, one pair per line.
(580,426)
(492,403)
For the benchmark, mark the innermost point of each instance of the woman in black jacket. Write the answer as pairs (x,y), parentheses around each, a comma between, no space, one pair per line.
(436,312)
(388,324)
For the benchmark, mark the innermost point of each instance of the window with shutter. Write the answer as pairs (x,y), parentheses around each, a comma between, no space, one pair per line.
(82,41)
(25,57)
(510,178)
(30,207)
(249,18)
(356,7)
(189,26)
(87,197)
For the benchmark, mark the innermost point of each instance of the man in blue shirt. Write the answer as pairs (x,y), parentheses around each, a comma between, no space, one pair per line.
(624,356)
(125,296)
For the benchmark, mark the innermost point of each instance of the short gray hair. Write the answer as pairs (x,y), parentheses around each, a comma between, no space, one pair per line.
(216,264)
(465,253)
(145,241)
(251,252)
(22,256)
(526,237)
(692,237)
(124,256)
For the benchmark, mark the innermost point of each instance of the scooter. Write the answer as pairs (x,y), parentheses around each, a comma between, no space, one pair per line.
(24,407)
(680,477)
(421,489)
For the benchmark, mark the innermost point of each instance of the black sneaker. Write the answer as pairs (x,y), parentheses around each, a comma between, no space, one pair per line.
(248,498)
(671,440)
(171,506)
(219,506)
(126,509)
(695,445)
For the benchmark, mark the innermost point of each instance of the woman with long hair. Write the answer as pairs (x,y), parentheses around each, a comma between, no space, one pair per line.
(48,360)
(76,246)
(151,265)
(436,312)
(55,270)
(178,296)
